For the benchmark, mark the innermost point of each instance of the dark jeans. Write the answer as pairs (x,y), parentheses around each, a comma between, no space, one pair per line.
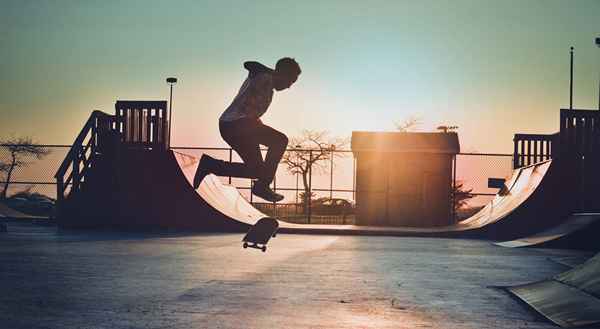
(245,136)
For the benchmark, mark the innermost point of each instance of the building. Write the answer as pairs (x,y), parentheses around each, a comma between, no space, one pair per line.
(404,179)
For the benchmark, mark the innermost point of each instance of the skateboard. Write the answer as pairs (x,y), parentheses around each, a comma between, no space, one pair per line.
(259,235)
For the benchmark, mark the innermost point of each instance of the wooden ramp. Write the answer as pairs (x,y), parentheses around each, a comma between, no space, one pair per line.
(531,201)
(570,299)
(579,231)
(152,190)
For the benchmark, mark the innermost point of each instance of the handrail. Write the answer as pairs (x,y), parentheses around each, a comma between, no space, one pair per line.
(533,148)
(579,132)
(79,140)
(77,154)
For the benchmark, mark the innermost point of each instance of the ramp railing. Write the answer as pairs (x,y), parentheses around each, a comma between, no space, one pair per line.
(580,132)
(139,124)
(533,148)
(82,154)
(580,143)
(143,124)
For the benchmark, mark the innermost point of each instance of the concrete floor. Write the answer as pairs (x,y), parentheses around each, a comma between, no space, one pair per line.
(54,279)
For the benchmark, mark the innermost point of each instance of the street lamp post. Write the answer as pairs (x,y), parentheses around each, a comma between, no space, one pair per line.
(171,81)
(598,44)
(571,83)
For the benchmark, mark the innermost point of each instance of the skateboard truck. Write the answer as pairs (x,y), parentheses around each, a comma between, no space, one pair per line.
(255,245)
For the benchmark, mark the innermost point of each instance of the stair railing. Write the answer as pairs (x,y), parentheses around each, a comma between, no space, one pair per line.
(81,156)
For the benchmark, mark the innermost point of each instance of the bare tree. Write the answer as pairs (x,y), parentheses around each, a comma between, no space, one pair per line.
(19,148)
(310,152)
(409,124)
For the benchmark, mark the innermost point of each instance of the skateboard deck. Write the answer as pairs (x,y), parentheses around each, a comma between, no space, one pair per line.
(260,233)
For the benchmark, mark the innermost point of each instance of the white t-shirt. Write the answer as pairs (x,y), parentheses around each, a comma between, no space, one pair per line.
(252,100)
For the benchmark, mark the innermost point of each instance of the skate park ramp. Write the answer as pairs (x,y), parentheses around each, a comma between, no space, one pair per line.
(579,231)
(526,196)
(224,198)
(570,299)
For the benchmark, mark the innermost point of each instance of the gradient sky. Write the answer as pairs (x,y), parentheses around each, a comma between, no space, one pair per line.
(494,68)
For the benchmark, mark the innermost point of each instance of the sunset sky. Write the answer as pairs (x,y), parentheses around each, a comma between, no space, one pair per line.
(493,68)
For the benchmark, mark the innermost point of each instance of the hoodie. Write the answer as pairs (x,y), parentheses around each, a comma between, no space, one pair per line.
(255,94)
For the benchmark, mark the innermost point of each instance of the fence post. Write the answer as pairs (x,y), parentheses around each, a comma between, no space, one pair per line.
(309,196)
(296,209)
(331,173)
(230,160)
(251,185)
(354,179)
(454,189)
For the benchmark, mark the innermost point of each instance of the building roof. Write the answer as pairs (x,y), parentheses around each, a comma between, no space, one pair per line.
(370,141)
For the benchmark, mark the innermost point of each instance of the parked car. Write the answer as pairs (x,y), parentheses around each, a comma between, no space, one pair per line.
(332,207)
(32,203)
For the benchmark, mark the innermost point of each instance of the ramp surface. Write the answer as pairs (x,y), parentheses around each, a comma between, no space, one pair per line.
(580,231)
(569,299)
(513,212)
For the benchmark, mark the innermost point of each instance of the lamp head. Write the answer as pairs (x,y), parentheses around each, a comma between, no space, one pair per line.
(172,80)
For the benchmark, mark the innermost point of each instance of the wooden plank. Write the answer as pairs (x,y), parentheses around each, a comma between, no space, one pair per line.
(154,126)
(522,154)
(130,126)
(596,135)
(515,153)
(528,152)
(147,126)
(164,129)
(579,130)
(140,122)
(587,136)
(122,126)
(141,104)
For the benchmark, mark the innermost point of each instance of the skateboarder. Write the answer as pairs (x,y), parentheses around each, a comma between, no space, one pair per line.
(242,129)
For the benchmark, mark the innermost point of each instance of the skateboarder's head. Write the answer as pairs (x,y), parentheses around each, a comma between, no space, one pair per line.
(286,73)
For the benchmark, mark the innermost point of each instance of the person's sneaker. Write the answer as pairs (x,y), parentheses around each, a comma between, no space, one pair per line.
(202,170)
(266,193)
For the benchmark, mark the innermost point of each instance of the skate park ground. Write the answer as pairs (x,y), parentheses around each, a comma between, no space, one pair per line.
(54,278)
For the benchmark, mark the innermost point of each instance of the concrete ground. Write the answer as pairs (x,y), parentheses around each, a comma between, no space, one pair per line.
(78,279)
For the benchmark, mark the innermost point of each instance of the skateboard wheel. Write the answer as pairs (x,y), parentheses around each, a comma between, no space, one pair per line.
(245,245)
(264,248)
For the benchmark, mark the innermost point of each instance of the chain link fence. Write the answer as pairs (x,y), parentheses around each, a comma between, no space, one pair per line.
(473,171)
(332,188)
